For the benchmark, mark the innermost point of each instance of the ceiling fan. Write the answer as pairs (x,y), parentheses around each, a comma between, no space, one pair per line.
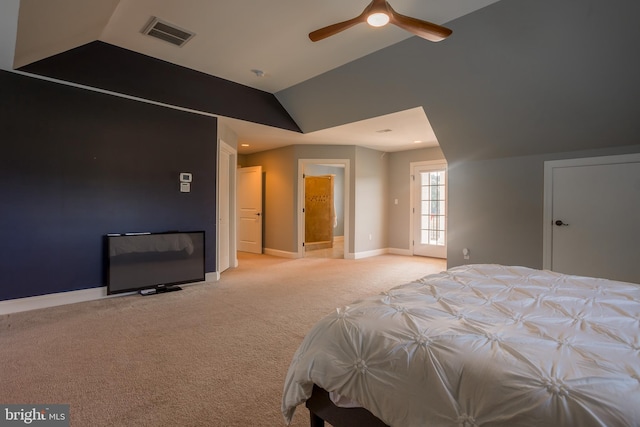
(379,13)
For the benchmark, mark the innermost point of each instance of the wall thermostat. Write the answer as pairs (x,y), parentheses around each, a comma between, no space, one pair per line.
(185,177)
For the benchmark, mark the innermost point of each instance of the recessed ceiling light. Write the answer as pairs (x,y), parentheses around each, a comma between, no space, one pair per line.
(244,145)
(418,142)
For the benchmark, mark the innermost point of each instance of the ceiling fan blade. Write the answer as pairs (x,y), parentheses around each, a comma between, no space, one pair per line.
(424,29)
(325,32)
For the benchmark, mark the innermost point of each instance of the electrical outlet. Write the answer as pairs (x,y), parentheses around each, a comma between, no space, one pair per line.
(466,253)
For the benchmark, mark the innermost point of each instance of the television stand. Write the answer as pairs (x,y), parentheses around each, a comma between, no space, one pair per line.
(159,290)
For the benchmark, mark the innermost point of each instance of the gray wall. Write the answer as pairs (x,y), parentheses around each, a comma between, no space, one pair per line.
(279,169)
(369,194)
(371,219)
(518,82)
(516,78)
(377,179)
(8,29)
(496,208)
(399,232)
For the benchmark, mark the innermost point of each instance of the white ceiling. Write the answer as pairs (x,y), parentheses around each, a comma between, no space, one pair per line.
(404,130)
(234,37)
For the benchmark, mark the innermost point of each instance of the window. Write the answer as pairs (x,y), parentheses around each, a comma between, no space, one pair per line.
(433,218)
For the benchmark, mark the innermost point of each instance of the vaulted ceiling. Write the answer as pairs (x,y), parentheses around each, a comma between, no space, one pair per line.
(232,37)
(263,45)
(517,77)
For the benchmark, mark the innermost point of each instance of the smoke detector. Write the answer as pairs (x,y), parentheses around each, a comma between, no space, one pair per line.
(167,32)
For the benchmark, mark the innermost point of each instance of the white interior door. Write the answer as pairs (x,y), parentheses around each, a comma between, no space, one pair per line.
(593,221)
(249,199)
(430,210)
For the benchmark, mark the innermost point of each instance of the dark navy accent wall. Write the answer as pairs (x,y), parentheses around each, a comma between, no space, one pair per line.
(101,65)
(76,164)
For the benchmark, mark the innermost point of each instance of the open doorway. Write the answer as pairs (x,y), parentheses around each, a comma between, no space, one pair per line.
(333,240)
(323,212)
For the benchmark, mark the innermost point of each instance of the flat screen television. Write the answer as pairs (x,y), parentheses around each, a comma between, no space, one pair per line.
(153,262)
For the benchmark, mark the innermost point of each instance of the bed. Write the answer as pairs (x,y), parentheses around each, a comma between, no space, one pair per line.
(476,345)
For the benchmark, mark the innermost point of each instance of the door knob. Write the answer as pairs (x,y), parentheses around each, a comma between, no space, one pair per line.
(560,223)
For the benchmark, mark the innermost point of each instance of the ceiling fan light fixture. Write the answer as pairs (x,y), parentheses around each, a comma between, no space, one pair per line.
(378,19)
(379,13)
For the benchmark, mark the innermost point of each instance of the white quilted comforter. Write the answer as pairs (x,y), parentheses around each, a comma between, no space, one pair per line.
(482,345)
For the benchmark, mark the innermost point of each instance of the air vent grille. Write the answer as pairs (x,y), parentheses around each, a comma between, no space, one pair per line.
(168,32)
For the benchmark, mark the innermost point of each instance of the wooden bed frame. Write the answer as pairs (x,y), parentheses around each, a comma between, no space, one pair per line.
(322,409)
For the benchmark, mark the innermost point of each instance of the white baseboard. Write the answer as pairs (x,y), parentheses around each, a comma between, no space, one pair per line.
(279,253)
(62,298)
(376,252)
(212,277)
(396,251)
(52,300)
(367,254)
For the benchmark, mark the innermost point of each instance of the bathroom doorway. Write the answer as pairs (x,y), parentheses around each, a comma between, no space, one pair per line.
(323,220)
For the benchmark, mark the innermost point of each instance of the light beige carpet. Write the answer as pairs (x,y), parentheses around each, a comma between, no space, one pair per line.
(214,354)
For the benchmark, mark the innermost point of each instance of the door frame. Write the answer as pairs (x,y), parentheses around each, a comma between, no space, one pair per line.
(347,201)
(231,202)
(547,217)
(435,164)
